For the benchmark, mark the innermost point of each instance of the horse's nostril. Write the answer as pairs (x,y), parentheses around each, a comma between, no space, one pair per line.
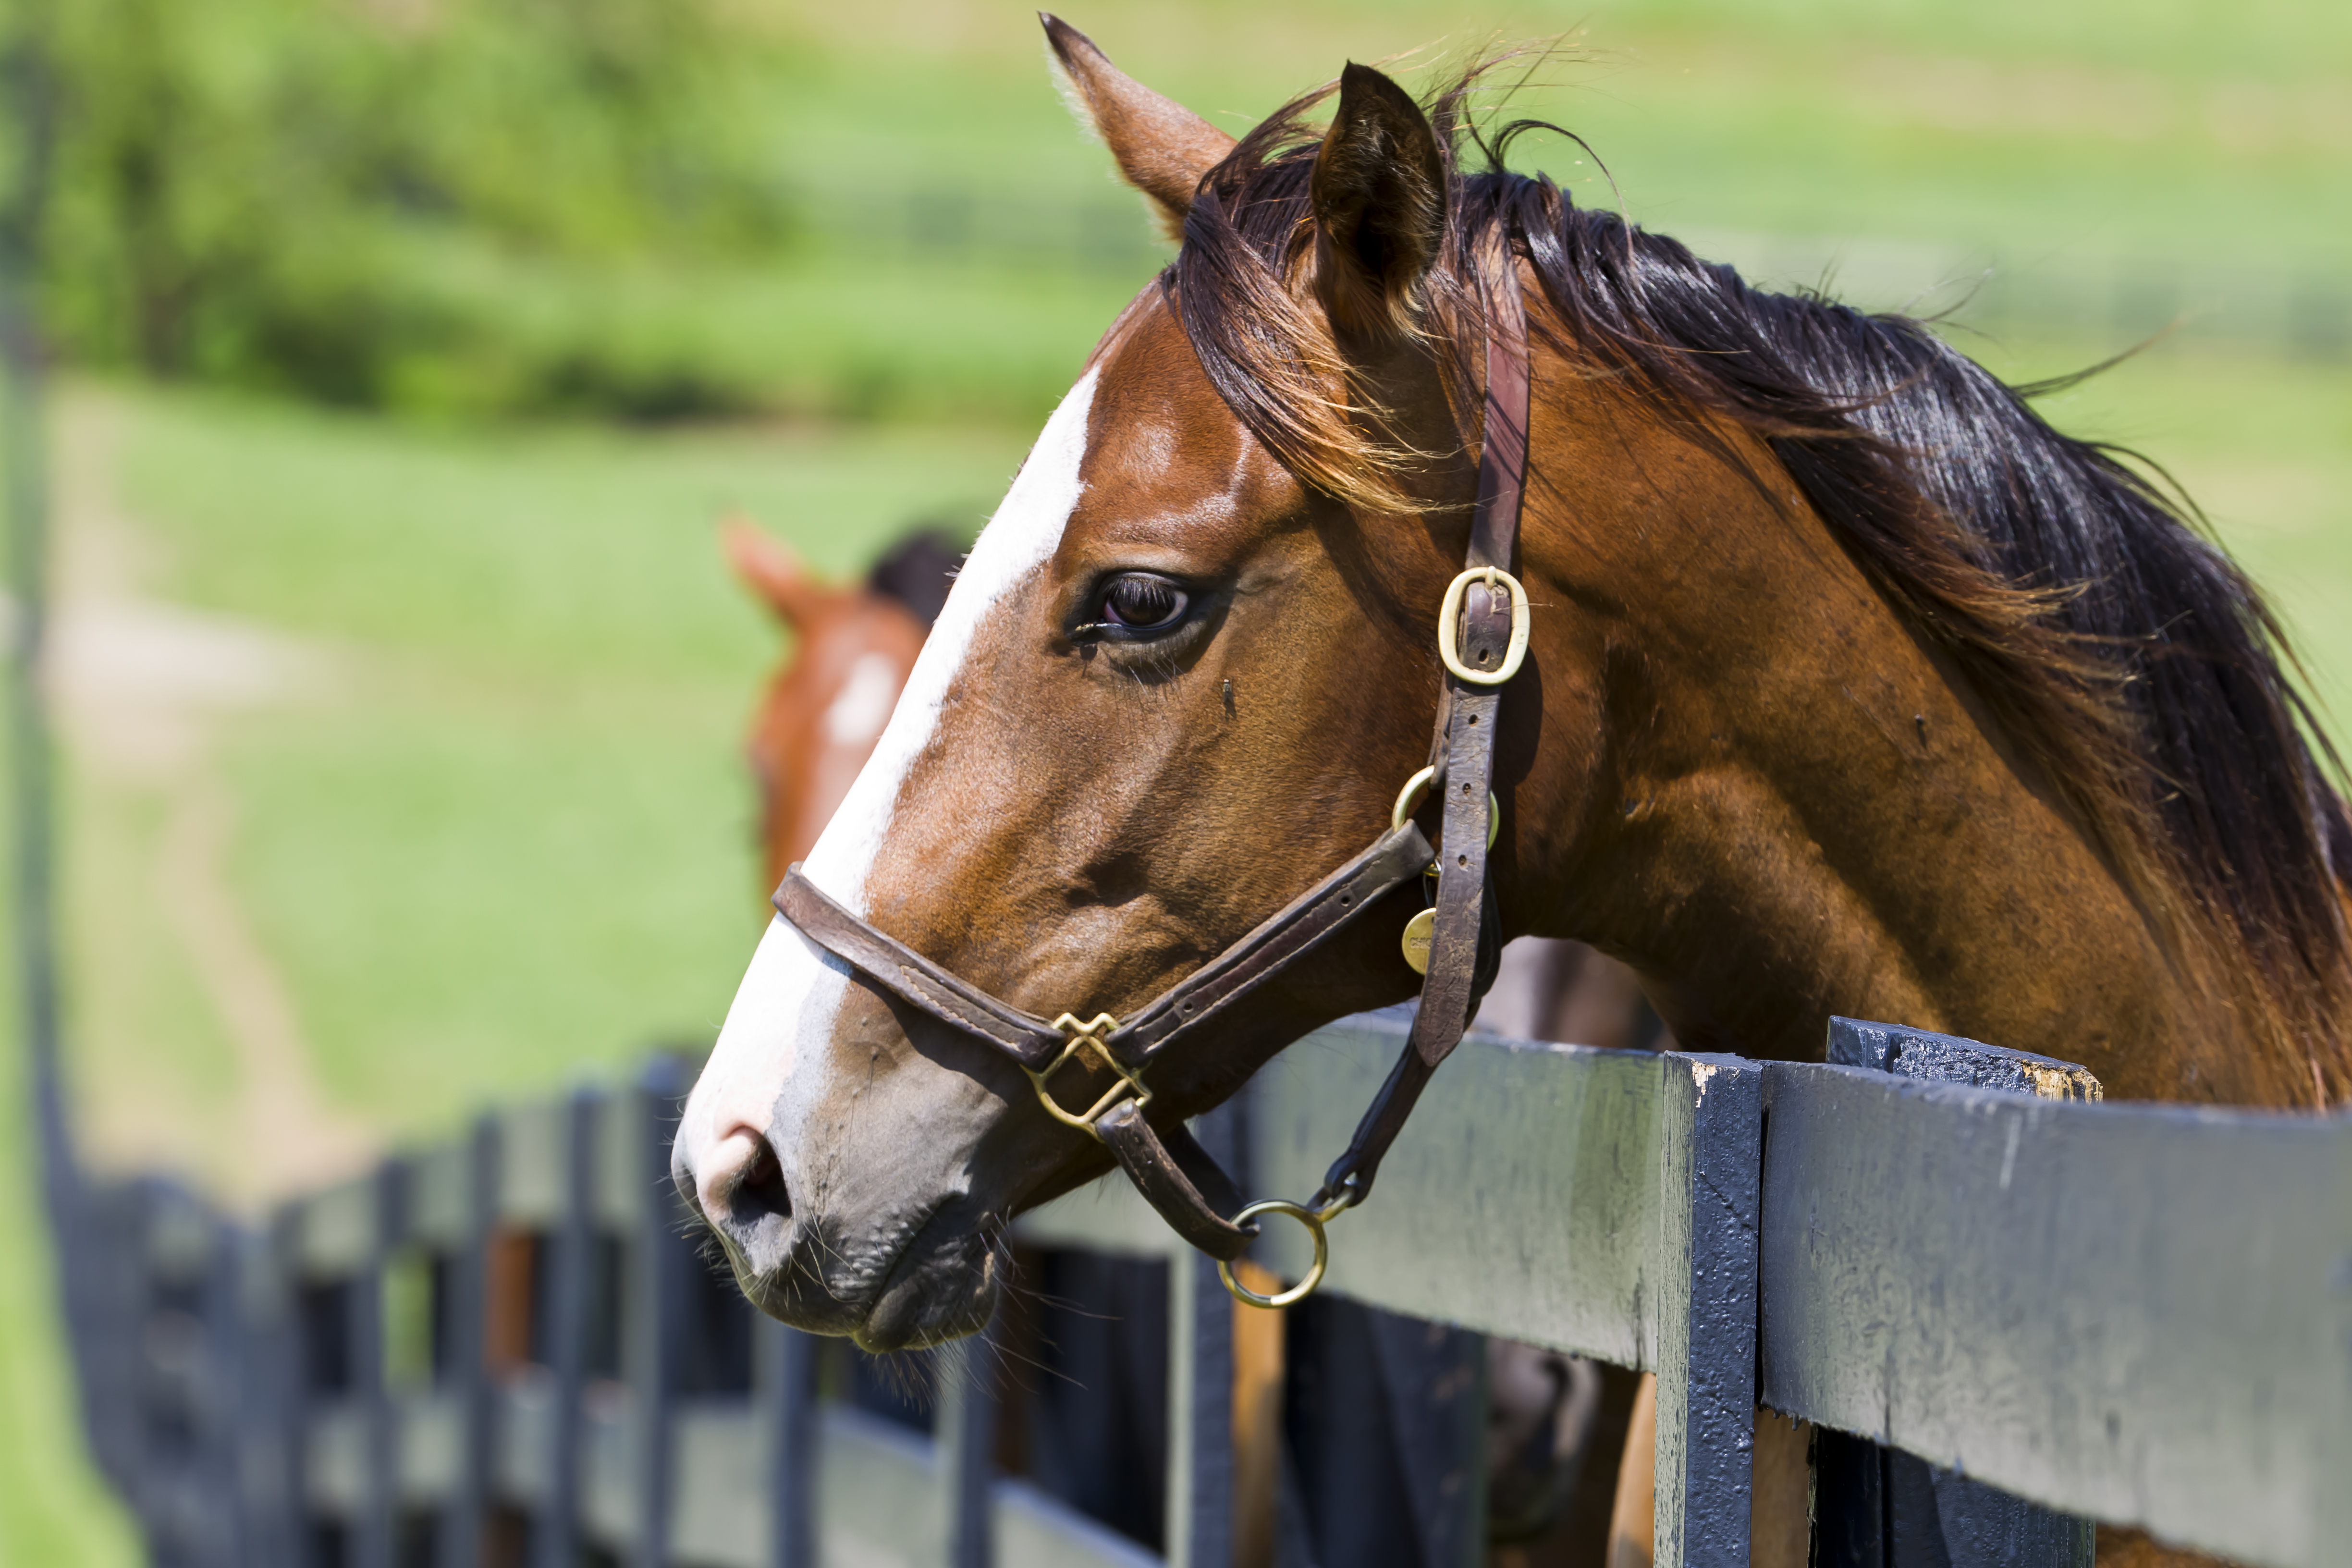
(739,1182)
(761,1191)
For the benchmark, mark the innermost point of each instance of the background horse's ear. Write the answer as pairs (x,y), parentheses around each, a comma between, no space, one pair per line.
(1162,147)
(1379,192)
(769,569)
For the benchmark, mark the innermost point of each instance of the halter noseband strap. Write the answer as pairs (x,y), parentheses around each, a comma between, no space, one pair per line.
(1485,613)
(1185,1009)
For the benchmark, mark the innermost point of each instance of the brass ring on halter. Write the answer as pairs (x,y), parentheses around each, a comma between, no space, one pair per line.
(1449,615)
(1130,1081)
(1314,1222)
(1416,790)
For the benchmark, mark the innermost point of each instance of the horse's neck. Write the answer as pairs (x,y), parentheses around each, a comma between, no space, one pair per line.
(1794,810)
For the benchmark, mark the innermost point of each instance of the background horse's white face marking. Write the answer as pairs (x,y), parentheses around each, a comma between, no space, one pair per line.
(863,705)
(767,1073)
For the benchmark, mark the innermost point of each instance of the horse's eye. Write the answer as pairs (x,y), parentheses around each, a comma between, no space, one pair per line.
(1138,602)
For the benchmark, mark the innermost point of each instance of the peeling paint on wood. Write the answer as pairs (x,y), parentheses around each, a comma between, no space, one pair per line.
(1950,1059)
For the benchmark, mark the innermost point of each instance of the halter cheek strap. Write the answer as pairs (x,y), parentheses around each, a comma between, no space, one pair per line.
(1483,627)
(1465,946)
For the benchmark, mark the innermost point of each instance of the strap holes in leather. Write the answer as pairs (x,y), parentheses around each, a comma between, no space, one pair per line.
(1462,860)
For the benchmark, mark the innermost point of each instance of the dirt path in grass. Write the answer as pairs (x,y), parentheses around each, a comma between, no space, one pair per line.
(142,689)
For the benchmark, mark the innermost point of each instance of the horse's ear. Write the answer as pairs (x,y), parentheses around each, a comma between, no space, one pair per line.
(1378,193)
(1162,147)
(769,569)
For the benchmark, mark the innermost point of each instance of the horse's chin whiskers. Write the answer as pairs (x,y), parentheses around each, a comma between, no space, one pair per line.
(697,1231)
(1005,1364)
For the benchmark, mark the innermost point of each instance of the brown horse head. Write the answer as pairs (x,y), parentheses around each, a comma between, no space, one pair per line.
(1852,687)
(827,705)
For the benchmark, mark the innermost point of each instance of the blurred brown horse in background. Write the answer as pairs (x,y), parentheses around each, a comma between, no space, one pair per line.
(1555,1421)
(826,703)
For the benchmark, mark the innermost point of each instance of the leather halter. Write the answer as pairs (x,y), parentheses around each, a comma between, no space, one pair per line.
(1487,609)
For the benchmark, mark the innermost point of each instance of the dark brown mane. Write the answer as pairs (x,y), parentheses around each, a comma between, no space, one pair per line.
(2125,655)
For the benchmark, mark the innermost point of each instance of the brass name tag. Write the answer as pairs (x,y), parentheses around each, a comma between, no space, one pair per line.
(1418,932)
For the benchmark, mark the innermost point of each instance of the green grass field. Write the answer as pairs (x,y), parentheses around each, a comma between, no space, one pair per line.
(499,837)
(509,839)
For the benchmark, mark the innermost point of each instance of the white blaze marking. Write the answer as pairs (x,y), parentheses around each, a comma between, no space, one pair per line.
(862,707)
(1024,534)
(767,1072)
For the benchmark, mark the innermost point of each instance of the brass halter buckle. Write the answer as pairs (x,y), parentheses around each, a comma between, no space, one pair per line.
(1421,931)
(1449,611)
(1416,790)
(1087,1040)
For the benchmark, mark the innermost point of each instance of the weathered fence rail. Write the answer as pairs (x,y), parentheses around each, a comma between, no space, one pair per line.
(505,1350)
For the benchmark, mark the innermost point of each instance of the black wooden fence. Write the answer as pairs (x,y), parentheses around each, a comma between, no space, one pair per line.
(505,1349)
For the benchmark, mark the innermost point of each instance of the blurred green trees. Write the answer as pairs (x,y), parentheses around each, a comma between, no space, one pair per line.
(370,202)
(678,208)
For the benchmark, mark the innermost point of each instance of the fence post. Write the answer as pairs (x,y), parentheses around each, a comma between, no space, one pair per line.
(1881,1508)
(961,1437)
(659,1255)
(1713,1152)
(784,1374)
(265,1393)
(466,1356)
(28,79)
(293,1354)
(224,1426)
(1436,1377)
(1200,1502)
(555,1532)
(176,1503)
(106,1259)
(378,1511)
